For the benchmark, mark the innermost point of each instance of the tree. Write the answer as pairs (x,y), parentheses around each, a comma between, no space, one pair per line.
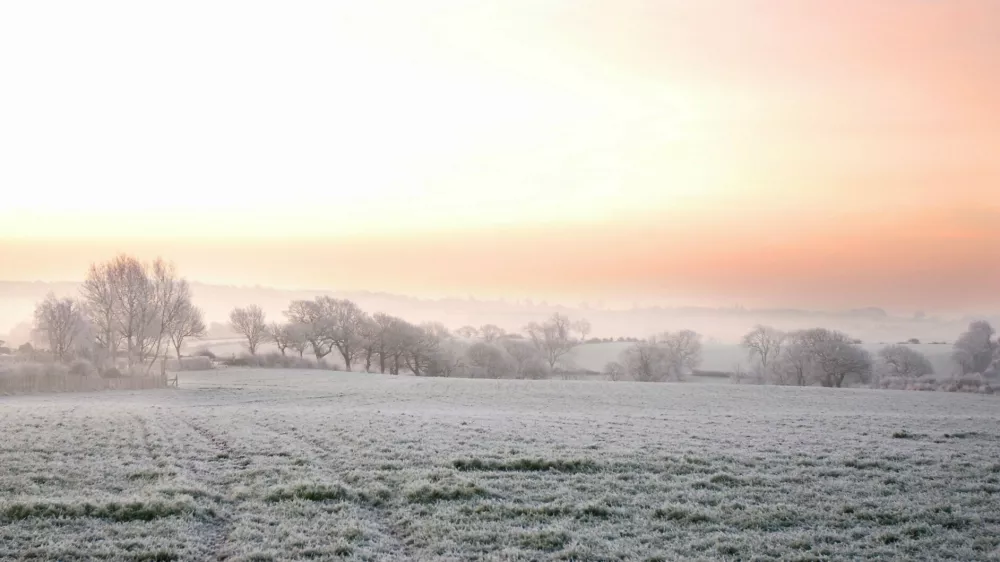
(135,307)
(528,361)
(422,344)
(795,364)
(278,335)
(645,362)
(189,323)
(398,336)
(467,332)
(172,297)
(552,338)
(296,337)
(370,335)
(582,327)
(902,362)
(614,371)
(490,361)
(491,332)
(346,321)
(448,360)
(763,344)
(382,336)
(249,322)
(839,359)
(100,297)
(59,321)
(681,352)
(824,356)
(974,350)
(313,324)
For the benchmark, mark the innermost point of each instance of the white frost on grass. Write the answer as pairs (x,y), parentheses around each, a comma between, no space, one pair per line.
(314,465)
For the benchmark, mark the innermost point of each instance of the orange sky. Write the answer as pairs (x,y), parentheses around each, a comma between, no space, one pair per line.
(768,153)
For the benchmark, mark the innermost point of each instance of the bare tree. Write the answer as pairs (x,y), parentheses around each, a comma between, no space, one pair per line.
(437,330)
(491,332)
(422,344)
(901,362)
(59,321)
(582,327)
(135,306)
(467,332)
(552,338)
(839,359)
(296,336)
(189,323)
(974,350)
(681,352)
(279,335)
(346,323)
(313,324)
(528,361)
(448,360)
(645,362)
(795,365)
(370,335)
(172,297)
(614,371)
(100,302)
(398,336)
(489,360)
(382,336)
(824,356)
(763,344)
(249,322)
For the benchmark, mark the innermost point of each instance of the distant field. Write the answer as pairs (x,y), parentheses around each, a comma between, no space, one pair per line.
(286,465)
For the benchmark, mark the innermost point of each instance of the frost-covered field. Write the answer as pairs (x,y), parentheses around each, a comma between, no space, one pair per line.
(285,465)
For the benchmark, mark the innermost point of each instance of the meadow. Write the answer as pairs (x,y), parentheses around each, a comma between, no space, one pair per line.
(318,465)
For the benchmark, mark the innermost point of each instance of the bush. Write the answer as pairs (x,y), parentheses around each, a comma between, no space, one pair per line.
(83,368)
(276,360)
(112,373)
(204,353)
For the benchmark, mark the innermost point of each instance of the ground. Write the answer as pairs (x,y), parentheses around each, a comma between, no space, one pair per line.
(286,465)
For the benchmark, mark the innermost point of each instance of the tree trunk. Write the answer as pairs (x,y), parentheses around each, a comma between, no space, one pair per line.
(180,364)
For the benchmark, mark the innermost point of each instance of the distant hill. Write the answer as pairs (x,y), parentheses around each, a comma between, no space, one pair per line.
(17,301)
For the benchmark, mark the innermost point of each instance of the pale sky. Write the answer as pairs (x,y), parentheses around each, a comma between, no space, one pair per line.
(771,152)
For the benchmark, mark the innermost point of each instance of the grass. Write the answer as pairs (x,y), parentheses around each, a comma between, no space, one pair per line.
(286,465)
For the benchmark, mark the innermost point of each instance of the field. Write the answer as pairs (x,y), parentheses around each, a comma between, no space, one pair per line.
(286,465)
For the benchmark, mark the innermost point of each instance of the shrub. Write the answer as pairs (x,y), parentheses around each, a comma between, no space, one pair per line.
(83,368)
(204,353)
(112,373)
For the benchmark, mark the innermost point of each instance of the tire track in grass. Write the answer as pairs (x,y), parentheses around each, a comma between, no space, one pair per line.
(220,481)
(379,513)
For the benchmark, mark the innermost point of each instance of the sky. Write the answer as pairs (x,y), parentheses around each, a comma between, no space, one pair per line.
(756,152)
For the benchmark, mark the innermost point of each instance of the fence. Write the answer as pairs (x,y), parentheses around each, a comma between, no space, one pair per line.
(27,384)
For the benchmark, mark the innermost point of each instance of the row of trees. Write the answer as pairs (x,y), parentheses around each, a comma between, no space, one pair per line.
(664,357)
(327,325)
(829,358)
(126,308)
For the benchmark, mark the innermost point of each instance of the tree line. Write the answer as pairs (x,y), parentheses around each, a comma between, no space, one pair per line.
(389,344)
(830,358)
(133,312)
